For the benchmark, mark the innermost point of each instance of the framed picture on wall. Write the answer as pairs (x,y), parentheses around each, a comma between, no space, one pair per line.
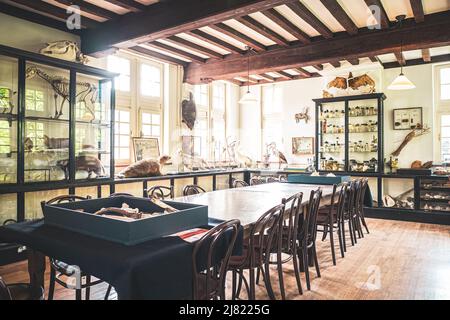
(407,118)
(146,148)
(303,145)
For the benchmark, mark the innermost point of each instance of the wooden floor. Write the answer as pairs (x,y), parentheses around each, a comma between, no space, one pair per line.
(397,260)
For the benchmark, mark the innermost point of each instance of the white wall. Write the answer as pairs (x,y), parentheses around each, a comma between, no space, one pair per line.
(25,35)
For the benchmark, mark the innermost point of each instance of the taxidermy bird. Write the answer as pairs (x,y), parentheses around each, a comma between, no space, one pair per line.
(241,158)
(277,153)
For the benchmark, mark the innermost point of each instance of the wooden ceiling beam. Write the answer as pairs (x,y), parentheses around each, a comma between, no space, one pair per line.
(176,51)
(194,47)
(201,35)
(353,62)
(168,18)
(229,31)
(426,56)
(90,8)
(131,5)
(287,25)
(318,67)
(158,56)
(267,77)
(263,30)
(366,43)
(400,58)
(373,59)
(336,64)
(303,12)
(384,20)
(416,62)
(303,72)
(285,75)
(341,16)
(417,7)
(54,11)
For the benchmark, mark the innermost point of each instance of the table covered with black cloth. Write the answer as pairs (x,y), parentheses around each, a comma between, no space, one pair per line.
(157,269)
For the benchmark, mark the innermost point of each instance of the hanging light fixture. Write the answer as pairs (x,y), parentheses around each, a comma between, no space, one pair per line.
(248,97)
(401,82)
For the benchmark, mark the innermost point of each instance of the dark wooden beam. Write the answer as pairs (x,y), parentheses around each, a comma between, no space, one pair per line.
(426,56)
(416,62)
(285,75)
(176,51)
(194,47)
(303,72)
(131,5)
(165,19)
(287,25)
(366,43)
(303,12)
(236,82)
(158,56)
(341,16)
(373,59)
(90,8)
(263,30)
(400,58)
(201,35)
(35,17)
(384,20)
(353,62)
(335,64)
(267,77)
(229,31)
(54,11)
(319,67)
(417,8)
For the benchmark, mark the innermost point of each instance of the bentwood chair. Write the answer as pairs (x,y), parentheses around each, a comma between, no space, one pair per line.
(60,270)
(161,192)
(192,189)
(120,194)
(17,291)
(307,236)
(331,219)
(210,261)
(256,253)
(364,183)
(287,240)
(257,180)
(239,183)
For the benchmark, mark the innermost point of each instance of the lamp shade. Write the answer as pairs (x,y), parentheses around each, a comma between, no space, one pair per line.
(401,83)
(248,98)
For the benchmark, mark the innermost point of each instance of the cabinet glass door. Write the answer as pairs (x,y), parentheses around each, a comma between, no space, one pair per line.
(8,119)
(93,127)
(46,141)
(332,136)
(363,135)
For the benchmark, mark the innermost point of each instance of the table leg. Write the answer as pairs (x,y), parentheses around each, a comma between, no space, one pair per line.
(36,270)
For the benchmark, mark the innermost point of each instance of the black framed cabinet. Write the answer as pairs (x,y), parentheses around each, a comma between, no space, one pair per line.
(349,133)
(56,129)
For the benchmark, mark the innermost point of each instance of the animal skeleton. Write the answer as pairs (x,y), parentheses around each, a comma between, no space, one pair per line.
(61,85)
(64,49)
(5,100)
(416,132)
(303,115)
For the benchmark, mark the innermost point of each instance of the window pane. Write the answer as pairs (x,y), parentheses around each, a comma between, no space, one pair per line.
(146,117)
(445,120)
(147,130)
(121,66)
(150,81)
(124,141)
(445,92)
(445,132)
(124,153)
(445,76)
(156,131)
(124,128)
(156,119)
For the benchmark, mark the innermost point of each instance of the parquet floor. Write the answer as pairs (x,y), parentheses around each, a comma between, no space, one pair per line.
(397,260)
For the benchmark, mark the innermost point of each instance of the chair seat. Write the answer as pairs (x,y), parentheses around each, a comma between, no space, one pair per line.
(213,287)
(22,291)
(243,261)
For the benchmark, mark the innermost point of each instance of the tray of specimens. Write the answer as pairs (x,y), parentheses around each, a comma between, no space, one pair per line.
(126,220)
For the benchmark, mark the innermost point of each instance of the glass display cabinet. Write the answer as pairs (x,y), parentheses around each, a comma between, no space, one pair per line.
(349,131)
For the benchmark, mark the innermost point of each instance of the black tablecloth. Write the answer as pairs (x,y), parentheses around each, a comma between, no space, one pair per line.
(157,269)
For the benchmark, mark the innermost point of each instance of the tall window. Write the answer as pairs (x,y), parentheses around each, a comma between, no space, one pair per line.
(123,67)
(5,137)
(272,116)
(201,129)
(218,119)
(444,86)
(35,131)
(122,135)
(150,80)
(150,124)
(445,138)
(201,95)
(34,100)
(442,112)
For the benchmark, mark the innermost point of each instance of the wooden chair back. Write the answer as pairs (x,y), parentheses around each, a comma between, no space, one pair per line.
(192,189)
(240,183)
(161,192)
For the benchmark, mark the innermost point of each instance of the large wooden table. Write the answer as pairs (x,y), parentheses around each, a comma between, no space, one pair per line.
(248,203)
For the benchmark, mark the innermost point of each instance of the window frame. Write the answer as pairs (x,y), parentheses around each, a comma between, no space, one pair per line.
(140,65)
(269,117)
(117,160)
(130,75)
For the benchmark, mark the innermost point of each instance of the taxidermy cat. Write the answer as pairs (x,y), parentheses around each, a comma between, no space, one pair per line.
(144,168)
(56,143)
(91,165)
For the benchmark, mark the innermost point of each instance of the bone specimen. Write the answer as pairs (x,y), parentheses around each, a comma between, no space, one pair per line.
(56,143)
(417,132)
(90,164)
(64,49)
(60,86)
(5,100)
